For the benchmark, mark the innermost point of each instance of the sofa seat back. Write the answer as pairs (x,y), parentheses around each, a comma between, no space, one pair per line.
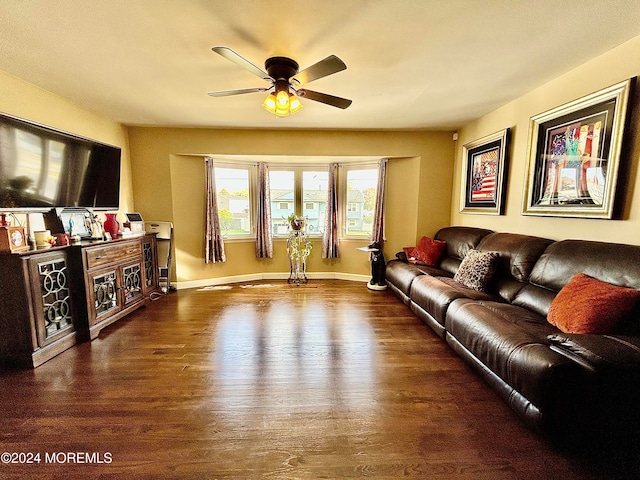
(613,263)
(518,256)
(459,241)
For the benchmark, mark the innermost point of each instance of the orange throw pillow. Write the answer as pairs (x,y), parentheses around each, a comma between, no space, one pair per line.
(589,305)
(428,252)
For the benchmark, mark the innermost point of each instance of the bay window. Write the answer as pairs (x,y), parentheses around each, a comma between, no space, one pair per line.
(300,191)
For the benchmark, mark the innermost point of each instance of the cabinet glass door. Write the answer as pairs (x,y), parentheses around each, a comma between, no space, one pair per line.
(149,267)
(54,294)
(105,292)
(132,283)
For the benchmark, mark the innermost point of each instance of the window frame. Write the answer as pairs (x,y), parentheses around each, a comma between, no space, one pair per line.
(298,189)
(253,188)
(343,205)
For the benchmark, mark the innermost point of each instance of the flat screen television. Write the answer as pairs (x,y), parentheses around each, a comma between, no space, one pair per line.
(42,168)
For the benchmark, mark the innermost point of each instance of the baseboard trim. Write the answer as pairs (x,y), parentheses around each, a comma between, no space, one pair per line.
(253,277)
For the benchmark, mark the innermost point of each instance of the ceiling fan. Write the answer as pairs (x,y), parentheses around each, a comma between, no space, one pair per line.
(285,78)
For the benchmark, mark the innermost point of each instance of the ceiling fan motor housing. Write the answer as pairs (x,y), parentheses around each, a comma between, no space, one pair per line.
(281,68)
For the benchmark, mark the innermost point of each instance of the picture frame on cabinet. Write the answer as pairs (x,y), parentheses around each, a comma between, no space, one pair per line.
(574,155)
(485,164)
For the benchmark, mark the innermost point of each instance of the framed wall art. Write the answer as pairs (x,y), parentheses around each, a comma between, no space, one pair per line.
(574,156)
(485,174)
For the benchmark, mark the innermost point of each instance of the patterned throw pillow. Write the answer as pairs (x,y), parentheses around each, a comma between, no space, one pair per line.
(588,305)
(477,269)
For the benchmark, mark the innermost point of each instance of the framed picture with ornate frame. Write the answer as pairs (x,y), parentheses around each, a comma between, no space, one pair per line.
(574,155)
(485,174)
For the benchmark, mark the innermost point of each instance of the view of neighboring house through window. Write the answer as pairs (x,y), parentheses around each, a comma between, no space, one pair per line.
(314,199)
(234,200)
(360,199)
(301,192)
(282,185)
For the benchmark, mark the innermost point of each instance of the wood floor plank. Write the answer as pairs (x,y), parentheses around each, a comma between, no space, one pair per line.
(326,380)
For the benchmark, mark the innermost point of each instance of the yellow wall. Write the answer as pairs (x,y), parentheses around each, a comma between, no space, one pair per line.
(169,185)
(612,67)
(24,100)
(166,182)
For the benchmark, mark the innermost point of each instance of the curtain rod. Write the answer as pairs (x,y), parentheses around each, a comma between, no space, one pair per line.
(295,165)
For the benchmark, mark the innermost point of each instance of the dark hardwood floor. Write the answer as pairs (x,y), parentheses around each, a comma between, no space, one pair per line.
(323,381)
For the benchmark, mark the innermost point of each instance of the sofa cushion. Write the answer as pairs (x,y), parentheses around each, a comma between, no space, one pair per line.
(534,298)
(400,275)
(512,342)
(427,252)
(588,305)
(477,269)
(435,294)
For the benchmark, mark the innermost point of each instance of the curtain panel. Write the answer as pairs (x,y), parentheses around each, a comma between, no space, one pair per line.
(377,232)
(214,244)
(264,232)
(330,237)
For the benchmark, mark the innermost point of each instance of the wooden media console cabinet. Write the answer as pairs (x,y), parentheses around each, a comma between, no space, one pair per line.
(52,299)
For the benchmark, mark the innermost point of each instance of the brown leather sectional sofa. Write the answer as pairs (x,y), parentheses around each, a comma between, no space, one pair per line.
(566,385)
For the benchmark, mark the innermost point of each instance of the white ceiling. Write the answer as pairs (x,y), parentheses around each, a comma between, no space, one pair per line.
(412,64)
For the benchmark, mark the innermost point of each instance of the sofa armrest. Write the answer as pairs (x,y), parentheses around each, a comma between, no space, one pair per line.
(599,352)
(402,257)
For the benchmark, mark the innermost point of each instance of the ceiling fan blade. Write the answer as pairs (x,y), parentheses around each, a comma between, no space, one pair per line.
(324,98)
(232,56)
(227,93)
(323,68)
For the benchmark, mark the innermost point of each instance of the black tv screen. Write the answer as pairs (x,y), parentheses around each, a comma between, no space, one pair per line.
(42,168)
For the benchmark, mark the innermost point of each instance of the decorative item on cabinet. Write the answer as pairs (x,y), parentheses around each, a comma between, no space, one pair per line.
(97,229)
(12,238)
(111,224)
(135,223)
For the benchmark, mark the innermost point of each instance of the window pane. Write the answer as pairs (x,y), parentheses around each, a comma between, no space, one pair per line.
(232,188)
(314,199)
(362,187)
(282,199)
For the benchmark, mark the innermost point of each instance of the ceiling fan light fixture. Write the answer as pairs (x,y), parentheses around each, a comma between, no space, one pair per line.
(282,100)
(295,104)
(269,103)
(282,112)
